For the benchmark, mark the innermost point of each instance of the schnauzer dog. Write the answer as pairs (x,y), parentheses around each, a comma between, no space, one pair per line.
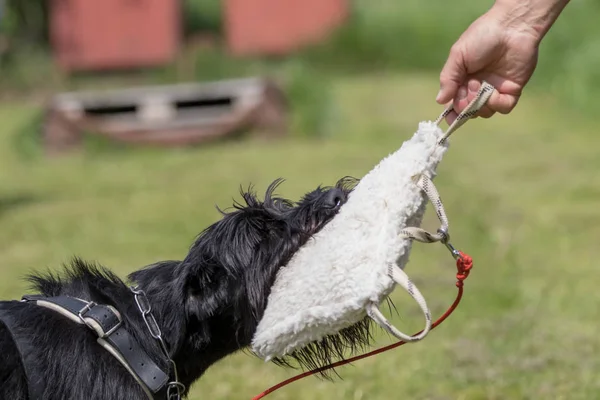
(88,335)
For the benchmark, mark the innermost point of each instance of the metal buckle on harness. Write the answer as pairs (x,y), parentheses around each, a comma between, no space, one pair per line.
(84,310)
(88,307)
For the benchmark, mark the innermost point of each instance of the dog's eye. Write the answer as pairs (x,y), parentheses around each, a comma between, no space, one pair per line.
(337,201)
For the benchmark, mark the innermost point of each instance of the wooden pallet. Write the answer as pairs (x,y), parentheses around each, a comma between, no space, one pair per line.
(167,115)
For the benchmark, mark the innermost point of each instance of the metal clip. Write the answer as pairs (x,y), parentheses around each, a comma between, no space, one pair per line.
(446,241)
(455,253)
(99,330)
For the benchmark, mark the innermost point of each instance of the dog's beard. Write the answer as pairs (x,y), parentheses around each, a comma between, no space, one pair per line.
(332,348)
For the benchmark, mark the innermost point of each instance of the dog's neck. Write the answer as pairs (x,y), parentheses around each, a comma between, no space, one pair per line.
(197,318)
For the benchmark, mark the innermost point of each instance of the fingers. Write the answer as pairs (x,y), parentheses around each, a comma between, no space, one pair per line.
(451,117)
(502,103)
(452,75)
(464,96)
(485,112)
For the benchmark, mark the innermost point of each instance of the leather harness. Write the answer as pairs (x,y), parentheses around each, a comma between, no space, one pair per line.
(106,322)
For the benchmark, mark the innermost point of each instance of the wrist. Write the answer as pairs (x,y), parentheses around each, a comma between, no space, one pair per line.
(532,18)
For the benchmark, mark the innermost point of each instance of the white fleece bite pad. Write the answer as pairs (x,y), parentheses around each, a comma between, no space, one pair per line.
(344,268)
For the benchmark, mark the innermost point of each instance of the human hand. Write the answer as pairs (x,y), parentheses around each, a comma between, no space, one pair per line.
(495,49)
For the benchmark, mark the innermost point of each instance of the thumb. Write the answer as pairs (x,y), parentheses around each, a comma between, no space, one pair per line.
(452,76)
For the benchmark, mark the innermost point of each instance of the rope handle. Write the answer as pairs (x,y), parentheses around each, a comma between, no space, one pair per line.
(483,95)
(425,183)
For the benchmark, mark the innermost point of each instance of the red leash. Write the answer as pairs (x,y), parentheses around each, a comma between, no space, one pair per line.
(464,263)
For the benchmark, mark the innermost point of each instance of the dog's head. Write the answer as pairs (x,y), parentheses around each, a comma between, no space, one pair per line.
(234,261)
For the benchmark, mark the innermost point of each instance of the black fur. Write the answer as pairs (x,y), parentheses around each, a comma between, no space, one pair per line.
(208,305)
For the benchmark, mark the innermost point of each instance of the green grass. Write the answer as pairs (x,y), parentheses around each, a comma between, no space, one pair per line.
(522,193)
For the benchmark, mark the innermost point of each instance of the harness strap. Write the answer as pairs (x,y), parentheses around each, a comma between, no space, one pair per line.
(106,322)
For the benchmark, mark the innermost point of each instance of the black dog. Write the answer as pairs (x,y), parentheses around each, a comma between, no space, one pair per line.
(206,307)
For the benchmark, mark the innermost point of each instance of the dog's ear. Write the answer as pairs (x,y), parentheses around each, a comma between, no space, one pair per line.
(230,243)
(221,259)
(234,239)
(237,252)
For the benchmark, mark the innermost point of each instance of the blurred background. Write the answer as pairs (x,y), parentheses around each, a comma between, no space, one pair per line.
(124,122)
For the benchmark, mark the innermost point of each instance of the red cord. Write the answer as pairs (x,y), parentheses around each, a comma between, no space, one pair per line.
(464,263)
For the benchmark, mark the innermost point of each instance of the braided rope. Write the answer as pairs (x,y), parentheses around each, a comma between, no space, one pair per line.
(400,277)
(424,183)
(483,95)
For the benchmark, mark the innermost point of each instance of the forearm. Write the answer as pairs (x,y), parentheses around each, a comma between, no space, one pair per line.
(531,16)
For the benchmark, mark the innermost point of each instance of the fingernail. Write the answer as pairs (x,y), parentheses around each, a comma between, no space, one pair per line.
(473,86)
(462,93)
(439,95)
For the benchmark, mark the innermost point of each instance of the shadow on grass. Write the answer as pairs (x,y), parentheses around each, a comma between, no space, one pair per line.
(12,202)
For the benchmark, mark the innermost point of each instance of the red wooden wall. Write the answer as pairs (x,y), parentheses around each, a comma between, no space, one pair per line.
(109,34)
(99,34)
(279,26)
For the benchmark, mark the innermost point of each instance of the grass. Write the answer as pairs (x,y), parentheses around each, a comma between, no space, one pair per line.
(521,192)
